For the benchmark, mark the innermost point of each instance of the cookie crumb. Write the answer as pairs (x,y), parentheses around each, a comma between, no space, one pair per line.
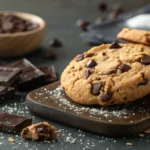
(11,139)
(141,135)
(129,144)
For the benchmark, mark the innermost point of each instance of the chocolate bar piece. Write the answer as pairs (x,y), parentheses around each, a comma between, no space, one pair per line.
(8,75)
(13,123)
(30,77)
(49,74)
(6,93)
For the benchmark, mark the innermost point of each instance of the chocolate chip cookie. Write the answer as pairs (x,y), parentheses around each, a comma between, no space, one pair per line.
(108,74)
(135,36)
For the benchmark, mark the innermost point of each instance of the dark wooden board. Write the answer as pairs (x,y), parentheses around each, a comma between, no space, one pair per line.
(120,120)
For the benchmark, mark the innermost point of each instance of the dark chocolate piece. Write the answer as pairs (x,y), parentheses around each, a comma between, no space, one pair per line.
(49,55)
(106,96)
(8,75)
(91,64)
(144,81)
(145,60)
(95,90)
(112,72)
(13,123)
(55,43)
(82,24)
(80,57)
(88,55)
(124,67)
(114,45)
(6,93)
(49,74)
(30,77)
(87,73)
(102,6)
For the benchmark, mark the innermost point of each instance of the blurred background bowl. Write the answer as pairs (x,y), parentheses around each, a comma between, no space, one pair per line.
(20,43)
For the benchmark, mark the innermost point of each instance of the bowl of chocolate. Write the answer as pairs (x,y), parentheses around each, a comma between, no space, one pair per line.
(20,33)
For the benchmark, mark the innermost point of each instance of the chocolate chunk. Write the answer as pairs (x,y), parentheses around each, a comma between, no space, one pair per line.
(49,55)
(102,6)
(91,64)
(8,76)
(114,45)
(124,67)
(88,55)
(106,96)
(144,81)
(103,53)
(6,93)
(80,57)
(49,74)
(55,43)
(87,73)
(82,24)
(31,75)
(112,72)
(13,123)
(42,128)
(145,60)
(95,90)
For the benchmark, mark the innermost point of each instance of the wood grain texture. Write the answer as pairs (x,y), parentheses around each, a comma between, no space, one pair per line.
(17,44)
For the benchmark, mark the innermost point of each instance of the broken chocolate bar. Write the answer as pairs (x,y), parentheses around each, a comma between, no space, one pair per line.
(6,93)
(8,75)
(30,77)
(13,123)
(49,74)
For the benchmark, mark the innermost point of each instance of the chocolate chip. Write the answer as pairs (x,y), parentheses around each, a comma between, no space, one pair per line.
(82,24)
(80,57)
(145,60)
(95,90)
(112,71)
(106,96)
(144,81)
(55,43)
(87,73)
(91,64)
(49,55)
(114,45)
(102,6)
(42,129)
(103,53)
(124,67)
(88,55)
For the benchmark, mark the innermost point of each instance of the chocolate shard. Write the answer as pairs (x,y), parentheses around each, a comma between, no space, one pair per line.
(6,93)
(124,67)
(49,74)
(91,64)
(144,81)
(13,123)
(106,97)
(145,60)
(9,75)
(87,73)
(30,77)
(114,45)
(95,90)
(79,57)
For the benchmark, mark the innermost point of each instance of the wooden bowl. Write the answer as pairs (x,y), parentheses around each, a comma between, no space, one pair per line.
(20,43)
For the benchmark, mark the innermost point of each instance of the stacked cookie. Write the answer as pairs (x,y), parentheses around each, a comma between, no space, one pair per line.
(111,73)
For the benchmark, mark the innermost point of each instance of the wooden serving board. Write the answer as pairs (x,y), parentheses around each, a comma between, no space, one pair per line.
(121,120)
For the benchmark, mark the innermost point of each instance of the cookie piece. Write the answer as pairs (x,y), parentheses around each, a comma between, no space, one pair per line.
(119,76)
(39,131)
(135,36)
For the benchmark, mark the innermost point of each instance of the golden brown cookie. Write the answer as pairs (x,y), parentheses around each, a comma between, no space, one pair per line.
(39,131)
(108,74)
(135,36)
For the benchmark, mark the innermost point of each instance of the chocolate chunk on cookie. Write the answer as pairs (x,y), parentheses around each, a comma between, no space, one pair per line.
(145,60)
(124,67)
(91,64)
(87,73)
(80,57)
(114,45)
(135,36)
(96,88)
(106,96)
